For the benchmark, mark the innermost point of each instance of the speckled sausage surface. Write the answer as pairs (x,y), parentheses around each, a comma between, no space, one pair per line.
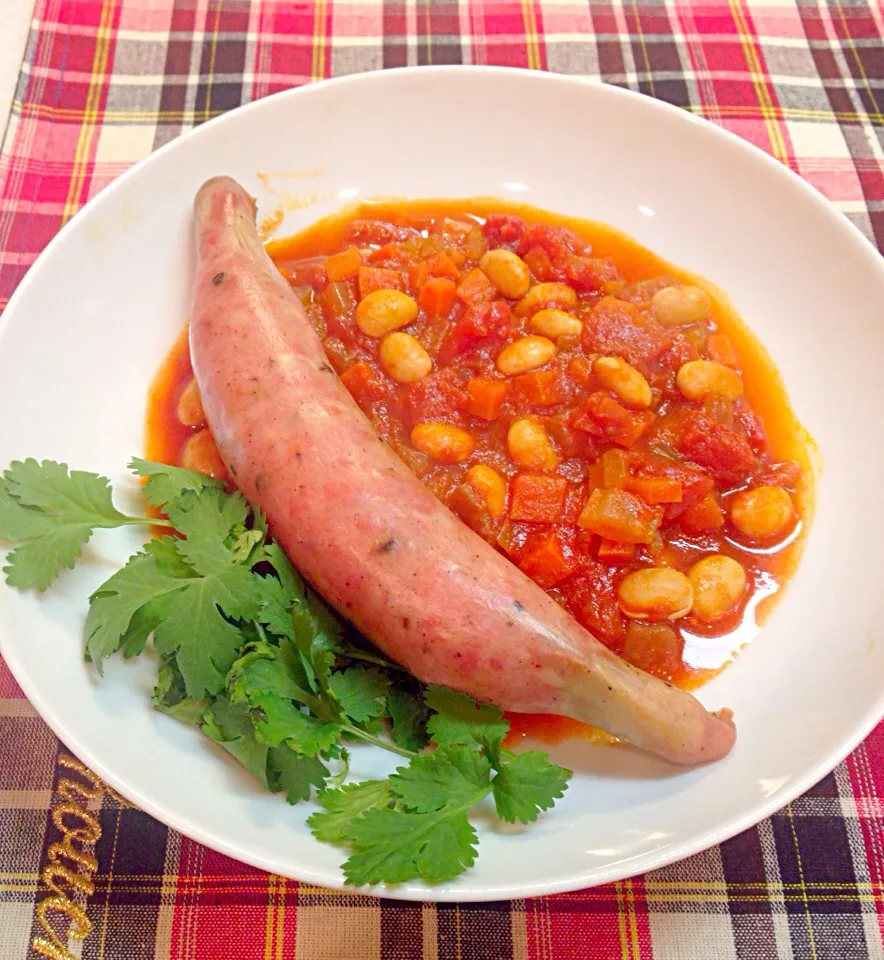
(371,538)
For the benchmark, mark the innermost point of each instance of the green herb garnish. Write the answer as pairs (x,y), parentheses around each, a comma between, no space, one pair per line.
(263,667)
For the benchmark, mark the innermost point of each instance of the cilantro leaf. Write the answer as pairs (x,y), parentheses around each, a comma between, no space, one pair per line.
(361,692)
(278,721)
(433,781)
(246,544)
(408,714)
(18,522)
(56,511)
(74,496)
(285,572)
(294,773)
(118,599)
(188,614)
(206,519)
(275,612)
(526,784)
(169,696)
(461,720)
(230,726)
(258,662)
(342,806)
(270,670)
(195,629)
(165,483)
(316,634)
(393,846)
(38,562)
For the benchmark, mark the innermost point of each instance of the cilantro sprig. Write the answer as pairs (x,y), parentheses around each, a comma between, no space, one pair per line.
(255,660)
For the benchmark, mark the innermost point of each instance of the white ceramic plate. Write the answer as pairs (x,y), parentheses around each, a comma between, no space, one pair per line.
(83,335)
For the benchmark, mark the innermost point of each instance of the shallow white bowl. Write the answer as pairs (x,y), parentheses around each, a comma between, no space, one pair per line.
(83,335)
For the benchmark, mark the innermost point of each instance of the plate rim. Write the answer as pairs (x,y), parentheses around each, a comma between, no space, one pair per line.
(450,892)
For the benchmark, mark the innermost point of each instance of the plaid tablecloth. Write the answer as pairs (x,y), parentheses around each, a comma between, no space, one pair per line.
(104,83)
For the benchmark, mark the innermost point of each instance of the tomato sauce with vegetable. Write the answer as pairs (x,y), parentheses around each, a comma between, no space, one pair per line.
(602,418)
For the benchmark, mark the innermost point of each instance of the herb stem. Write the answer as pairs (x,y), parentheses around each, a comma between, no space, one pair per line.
(148,521)
(354,653)
(378,742)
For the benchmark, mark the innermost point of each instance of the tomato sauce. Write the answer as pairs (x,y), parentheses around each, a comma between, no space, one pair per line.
(586,407)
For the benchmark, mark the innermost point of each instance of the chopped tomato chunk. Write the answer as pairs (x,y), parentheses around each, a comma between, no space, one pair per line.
(439,396)
(595,599)
(478,321)
(787,474)
(717,447)
(537,498)
(541,267)
(594,273)
(503,230)
(614,327)
(606,418)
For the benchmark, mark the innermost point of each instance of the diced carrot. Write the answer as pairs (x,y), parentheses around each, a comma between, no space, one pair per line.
(606,418)
(437,296)
(475,288)
(537,498)
(362,383)
(417,275)
(547,563)
(485,397)
(654,490)
(619,515)
(389,251)
(703,517)
(378,278)
(720,348)
(442,264)
(615,468)
(612,552)
(540,387)
(343,265)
